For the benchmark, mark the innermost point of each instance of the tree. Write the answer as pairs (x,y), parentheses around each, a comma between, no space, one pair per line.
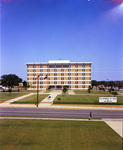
(89,89)
(10,81)
(64,89)
(25,84)
(94,83)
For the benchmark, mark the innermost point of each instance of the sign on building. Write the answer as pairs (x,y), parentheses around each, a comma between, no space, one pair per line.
(107,99)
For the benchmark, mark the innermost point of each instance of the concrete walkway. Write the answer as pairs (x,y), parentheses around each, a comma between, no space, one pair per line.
(116,125)
(47,102)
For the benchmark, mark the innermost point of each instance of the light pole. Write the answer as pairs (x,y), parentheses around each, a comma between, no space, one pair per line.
(107,82)
(37,88)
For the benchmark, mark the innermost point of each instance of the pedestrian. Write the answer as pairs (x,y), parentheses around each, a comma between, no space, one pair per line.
(90,117)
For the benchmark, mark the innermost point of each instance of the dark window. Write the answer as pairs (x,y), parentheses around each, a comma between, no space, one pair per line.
(83,65)
(83,70)
(83,86)
(83,78)
(34,66)
(69,82)
(51,66)
(55,82)
(55,70)
(76,86)
(62,70)
(34,70)
(69,74)
(69,78)
(62,82)
(62,74)
(76,82)
(83,74)
(83,82)
(55,74)
(41,70)
(65,66)
(58,66)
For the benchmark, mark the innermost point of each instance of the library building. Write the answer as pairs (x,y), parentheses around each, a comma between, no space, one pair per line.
(59,73)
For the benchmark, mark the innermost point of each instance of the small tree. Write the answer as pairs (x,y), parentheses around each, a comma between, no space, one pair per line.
(89,89)
(25,84)
(64,89)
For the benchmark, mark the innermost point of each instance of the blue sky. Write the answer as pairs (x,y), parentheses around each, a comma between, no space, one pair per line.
(75,30)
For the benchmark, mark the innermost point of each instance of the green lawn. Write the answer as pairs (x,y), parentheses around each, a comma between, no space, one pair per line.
(32,99)
(84,99)
(92,92)
(6,95)
(57,135)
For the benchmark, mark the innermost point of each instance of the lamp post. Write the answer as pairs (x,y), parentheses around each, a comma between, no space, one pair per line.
(107,82)
(37,88)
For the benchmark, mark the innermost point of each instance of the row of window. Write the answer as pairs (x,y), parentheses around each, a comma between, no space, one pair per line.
(76,86)
(62,78)
(58,65)
(62,74)
(62,82)
(62,70)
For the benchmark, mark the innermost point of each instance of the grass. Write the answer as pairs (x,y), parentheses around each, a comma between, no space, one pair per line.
(61,135)
(85,99)
(15,93)
(92,92)
(31,99)
(6,95)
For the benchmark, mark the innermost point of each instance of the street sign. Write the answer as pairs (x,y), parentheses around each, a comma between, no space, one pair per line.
(107,99)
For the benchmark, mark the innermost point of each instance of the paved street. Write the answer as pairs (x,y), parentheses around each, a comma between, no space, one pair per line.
(44,112)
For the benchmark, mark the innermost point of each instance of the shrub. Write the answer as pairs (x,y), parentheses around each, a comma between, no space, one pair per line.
(114,93)
(58,98)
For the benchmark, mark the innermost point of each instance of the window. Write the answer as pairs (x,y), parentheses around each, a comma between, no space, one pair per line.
(62,82)
(69,74)
(83,70)
(51,66)
(55,82)
(69,78)
(76,78)
(76,86)
(34,66)
(41,70)
(83,65)
(65,66)
(69,82)
(55,74)
(83,78)
(34,70)
(34,74)
(83,86)
(83,82)
(62,78)
(76,82)
(62,74)
(62,70)
(58,66)
(83,74)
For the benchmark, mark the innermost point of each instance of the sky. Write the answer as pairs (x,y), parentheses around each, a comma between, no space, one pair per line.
(75,30)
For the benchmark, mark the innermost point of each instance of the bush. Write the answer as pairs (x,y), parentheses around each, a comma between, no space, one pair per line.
(9,90)
(58,98)
(114,93)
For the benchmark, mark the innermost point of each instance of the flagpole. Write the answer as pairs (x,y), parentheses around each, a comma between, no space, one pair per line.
(37,88)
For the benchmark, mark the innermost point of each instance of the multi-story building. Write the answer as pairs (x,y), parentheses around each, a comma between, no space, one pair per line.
(73,75)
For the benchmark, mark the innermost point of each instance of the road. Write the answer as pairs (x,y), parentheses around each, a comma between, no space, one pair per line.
(75,113)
